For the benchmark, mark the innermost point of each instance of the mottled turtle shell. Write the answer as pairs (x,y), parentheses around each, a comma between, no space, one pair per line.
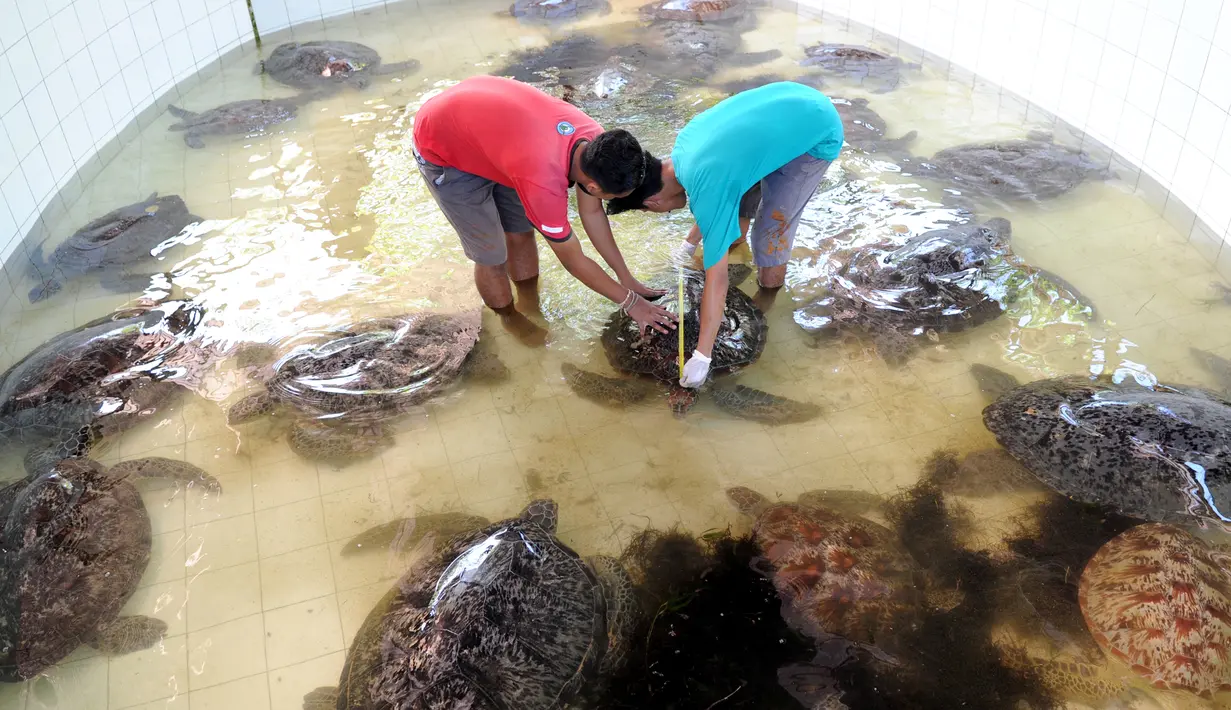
(1159,600)
(1028,169)
(75,544)
(695,10)
(1161,454)
(740,341)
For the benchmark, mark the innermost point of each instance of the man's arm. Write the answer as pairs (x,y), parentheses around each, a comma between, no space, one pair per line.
(598,228)
(713,306)
(592,275)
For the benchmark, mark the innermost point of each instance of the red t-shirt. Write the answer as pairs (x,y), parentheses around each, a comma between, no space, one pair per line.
(510,133)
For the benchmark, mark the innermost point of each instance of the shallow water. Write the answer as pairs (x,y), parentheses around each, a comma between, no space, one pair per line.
(325,221)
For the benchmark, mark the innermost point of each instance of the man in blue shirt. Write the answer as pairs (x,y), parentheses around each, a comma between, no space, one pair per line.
(759,153)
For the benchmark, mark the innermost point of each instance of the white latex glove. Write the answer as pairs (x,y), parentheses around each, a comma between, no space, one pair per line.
(695,370)
(685,250)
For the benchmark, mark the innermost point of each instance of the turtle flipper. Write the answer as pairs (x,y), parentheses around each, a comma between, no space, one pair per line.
(607,391)
(622,610)
(45,290)
(127,634)
(410,66)
(319,442)
(194,140)
(251,407)
(156,467)
(323,698)
(748,403)
(180,113)
(403,533)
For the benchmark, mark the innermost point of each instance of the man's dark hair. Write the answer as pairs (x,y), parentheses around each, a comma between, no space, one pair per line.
(650,186)
(615,161)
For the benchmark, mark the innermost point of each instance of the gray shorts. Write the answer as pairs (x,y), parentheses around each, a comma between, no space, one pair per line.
(480,210)
(776,203)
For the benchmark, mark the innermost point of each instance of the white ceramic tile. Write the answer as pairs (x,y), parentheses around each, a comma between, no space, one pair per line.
(1158,41)
(1215,207)
(113,11)
(1172,10)
(179,53)
(1188,59)
(8,161)
(10,94)
(48,52)
(90,20)
(124,42)
(1201,17)
(33,14)
(1163,152)
(11,26)
(17,196)
(1175,106)
(1146,86)
(24,66)
(193,11)
(20,130)
(1127,22)
(1094,16)
(1191,174)
(38,174)
(1222,35)
(157,69)
(201,37)
(1207,125)
(1214,84)
(68,31)
(59,157)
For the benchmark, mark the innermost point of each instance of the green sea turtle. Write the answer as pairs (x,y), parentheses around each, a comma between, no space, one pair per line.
(75,542)
(696,10)
(944,280)
(875,71)
(1160,453)
(96,380)
(248,117)
(504,617)
(328,64)
(557,10)
(110,245)
(1034,168)
(341,390)
(741,339)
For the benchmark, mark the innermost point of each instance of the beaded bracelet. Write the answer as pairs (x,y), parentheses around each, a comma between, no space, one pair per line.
(629,301)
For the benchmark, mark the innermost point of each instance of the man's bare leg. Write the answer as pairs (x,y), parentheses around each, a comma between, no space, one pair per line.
(493,285)
(523,268)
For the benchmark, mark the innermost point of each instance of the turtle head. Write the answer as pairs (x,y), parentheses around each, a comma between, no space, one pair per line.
(993,382)
(543,513)
(747,501)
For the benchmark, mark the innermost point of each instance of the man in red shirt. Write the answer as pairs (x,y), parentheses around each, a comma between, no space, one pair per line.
(499,157)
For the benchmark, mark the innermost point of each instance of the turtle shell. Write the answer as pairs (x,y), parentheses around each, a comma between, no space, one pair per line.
(1015,169)
(75,544)
(837,574)
(508,617)
(1159,600)
(304,64)
(1156,453)
(740,341)
(695,10)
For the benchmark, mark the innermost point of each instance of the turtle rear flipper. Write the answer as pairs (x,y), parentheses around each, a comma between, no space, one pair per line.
(409,66)
(622,610)
(251,407)
(193,139)
(748,403)
(323,698)
(127,634)
(156,467)
(607,391)
(402,534)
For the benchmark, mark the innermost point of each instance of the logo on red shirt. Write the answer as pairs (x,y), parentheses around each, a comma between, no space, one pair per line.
(565,128)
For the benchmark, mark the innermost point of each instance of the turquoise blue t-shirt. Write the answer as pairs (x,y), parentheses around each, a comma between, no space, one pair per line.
(726,150)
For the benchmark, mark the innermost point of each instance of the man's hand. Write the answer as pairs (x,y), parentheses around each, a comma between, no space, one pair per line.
(641,289)
(695,371)
(650,315)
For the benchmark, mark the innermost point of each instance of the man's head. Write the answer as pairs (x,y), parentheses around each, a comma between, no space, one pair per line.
(612,165)
(659,192)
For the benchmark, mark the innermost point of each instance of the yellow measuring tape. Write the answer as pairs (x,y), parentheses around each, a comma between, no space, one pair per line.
(679,327)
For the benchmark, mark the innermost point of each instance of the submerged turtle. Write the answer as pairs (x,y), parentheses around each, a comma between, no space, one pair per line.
(1032,169)
(1158,601)
(740,341)
(75,543)
(557,10)
(110,244)
(696,10)
(328,64)
(504,617)
(342,389)
(836,573)
(876,71)
(943,280)
(94,381)
(248,117)
(1160,453)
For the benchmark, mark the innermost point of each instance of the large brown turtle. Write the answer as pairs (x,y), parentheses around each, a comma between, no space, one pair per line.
(96,380)
(341,390)
(875,71)
(503,617)
(328,64)
(1034,168)
(741,339)
(111,245)
(1160,453)
(1158,601)
(74,544)
(246,118)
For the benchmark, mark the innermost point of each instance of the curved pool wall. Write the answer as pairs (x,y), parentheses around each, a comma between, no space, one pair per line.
(1142,84)
(78,81)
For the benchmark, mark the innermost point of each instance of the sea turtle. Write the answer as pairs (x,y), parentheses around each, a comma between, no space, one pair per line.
(111,244)
(696,10)
(1158,601)
(328,64)
(557,10)
(836,573)
(75,542)
(876,71)
(1035,168)
(943,280)
(95,380)
(248,117)
(503,617)
(1160,453)
(342,389)
(741,339)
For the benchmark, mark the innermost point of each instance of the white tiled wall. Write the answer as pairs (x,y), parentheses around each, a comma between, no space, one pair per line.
(1150,79)
(74,73)
(273,15)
